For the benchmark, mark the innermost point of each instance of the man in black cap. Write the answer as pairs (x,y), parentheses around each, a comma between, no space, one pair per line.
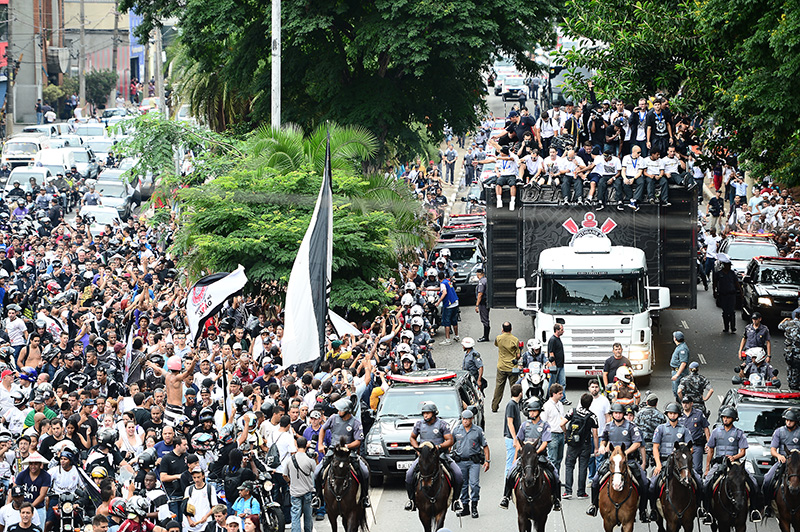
(756,334)
(10,515)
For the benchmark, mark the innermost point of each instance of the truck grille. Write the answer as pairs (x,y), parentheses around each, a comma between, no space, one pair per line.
(592,346)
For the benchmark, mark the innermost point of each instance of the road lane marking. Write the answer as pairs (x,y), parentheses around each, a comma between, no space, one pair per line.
(720,398)
(702,358)
(375,497)
(685,325)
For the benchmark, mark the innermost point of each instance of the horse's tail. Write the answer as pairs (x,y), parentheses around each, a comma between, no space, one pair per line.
(363,521)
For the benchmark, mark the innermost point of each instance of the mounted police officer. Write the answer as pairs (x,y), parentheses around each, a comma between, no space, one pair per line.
(472,360)
(531,430)
(727,441)
(533,354)
(345,430)
(784,440)
(436,431)
(696,386)
(693,419)
(665,437)
(648,419)
(618,432)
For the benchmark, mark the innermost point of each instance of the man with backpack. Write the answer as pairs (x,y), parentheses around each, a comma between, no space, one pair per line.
(581,439)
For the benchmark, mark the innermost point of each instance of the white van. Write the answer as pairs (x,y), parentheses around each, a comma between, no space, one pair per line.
(21,150)
(59,160)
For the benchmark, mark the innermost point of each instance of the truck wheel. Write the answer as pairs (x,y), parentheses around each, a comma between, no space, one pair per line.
(376,481)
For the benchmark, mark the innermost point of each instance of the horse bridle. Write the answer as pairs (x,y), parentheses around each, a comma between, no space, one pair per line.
(626,473)
(675,472)
(735,512)
(434,478)
(536,476)
(345,482)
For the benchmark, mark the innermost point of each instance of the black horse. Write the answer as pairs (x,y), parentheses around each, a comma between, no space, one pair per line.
(729,501)
(787,495)
(678,495)
(432,490)
(533,493)
(341,492)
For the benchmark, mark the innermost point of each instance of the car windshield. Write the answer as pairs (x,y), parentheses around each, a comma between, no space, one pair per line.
(463,254)
(760,420)
(108,113)
(102,217)
(81,156)
(748,250)
(20,148)
(404,402)
(24,184)
(54,168)
(780,275)
(615,294)
(100,146)
(90,131)
(114,190)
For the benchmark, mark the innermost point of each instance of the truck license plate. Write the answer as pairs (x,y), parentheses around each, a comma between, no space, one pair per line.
(593,372)
(405,465)
(785,313)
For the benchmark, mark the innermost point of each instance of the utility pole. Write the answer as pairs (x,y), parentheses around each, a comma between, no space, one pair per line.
(10,72)
(276,63)
(159,67)
(114,50)
(82,66)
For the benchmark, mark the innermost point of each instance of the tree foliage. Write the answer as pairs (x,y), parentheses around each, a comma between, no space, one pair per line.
(736,63)
(382,64)
(99,84)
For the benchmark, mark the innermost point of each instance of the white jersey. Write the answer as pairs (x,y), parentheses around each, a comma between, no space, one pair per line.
(10,517)
(631,166)
(607,168)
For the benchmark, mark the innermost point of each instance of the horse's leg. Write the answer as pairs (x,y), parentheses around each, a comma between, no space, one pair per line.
(332,518)
(425,519)
(523,523)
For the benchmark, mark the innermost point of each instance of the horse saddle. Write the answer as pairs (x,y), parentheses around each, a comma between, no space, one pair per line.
(718,481)
(635,479)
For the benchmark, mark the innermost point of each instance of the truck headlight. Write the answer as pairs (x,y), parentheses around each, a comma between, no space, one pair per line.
(374,448)
(639,354)
(765,301)
(472,279)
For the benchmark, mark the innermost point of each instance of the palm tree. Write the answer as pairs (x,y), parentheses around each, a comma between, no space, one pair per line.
(286,149)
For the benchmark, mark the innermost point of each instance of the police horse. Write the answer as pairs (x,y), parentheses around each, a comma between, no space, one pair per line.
(787,494)
(341,492)
(533,492)
(618,496)
(678,494)
(433,488)
(729,498)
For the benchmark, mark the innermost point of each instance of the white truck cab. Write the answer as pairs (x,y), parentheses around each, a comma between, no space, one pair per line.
(601,295)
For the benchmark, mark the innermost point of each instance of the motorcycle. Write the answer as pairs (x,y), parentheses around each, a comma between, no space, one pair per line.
(69,515)
(271,518)
(432,313)
(535,381)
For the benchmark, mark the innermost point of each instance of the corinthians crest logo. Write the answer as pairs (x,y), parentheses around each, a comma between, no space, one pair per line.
(588,227)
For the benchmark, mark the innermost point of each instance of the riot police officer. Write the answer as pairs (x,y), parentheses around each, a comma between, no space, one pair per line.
(531,430)
(791,331)
(436,431)
(471,453)
(472,360)
(665,437)
(696,386)
(784,439)
(618,432)
(345,430)
(693,419)
(731,442)
(758,365)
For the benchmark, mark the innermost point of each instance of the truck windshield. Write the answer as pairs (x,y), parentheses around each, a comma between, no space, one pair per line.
(614,294)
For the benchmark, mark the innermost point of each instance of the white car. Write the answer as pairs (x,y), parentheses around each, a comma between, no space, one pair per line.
(101,216)
(90,130)
(23,175)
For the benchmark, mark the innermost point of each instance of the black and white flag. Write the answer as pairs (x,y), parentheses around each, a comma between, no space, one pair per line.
(208,295)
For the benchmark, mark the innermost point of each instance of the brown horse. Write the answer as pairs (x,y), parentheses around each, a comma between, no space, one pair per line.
(533,493)
(678,495)
(619,498)
(432,490)
(341,492)
(729,501)
(787,496)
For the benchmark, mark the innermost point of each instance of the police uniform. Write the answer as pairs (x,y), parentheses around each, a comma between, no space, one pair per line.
(764,370)
(434,433)
(679,355)
(694,386)
(666,436)
(343,432)
(756,337)
(727,287)
(648,419)
(791,330)
(696,423)
(728,443)
(468,454)
(785,441)
(623,433)
(473,364)
(529,357)
(529,432)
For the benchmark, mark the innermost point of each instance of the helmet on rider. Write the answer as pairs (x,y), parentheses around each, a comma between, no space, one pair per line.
(416,312)
(403,348)
(533,404)
(430,407)
(107,437)
(757,354)
(431,274)
(407,334)
(28,374)
(730,412)
(617,407)
(99,472)
(202,441)
(534,344)
(148,459)
(18,397)
(228,433)
(624,374)
(118,507)
(411,287)
(416,321)
(407,300)
(138,506)
(445,253)
(407,358)
(206,414)
(673,408)
(53,287)
(267,408)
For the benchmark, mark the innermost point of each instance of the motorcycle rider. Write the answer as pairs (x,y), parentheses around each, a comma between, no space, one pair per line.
(533,354)
(138,508)
(472,360)
(728,441)
(531,430)
(65,479)
(411,289)
(618,432)
(624,390)
(431,429)
(758,365)
(785,439)
(345,430)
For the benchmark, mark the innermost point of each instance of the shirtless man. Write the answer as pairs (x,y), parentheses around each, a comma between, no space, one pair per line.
(174,384)
(31,354)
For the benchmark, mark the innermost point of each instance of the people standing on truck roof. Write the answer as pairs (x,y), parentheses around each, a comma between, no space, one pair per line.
(659,127)
(482,302)
(507,354)
(631,185)
(726,289)
(614,362)
(555,352)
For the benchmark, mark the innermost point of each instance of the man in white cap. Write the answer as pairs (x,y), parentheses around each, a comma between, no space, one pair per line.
(35,482)
(472,360)
(726,289)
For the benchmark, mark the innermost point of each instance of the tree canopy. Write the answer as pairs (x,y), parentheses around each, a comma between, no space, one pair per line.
(386,65)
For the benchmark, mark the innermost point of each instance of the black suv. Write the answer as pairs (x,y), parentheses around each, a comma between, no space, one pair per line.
(760,413)
(771,286)
(466,254)
(388,449)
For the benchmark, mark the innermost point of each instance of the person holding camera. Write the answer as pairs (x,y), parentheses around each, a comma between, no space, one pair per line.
(471,454)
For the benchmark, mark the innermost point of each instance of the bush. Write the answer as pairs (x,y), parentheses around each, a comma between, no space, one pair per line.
(99,84)
(51,94)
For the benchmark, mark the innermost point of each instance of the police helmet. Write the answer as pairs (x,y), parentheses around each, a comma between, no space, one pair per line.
(730,412)
(790,414)
(533,404)
(148,459)
(407,300)
(411,287)
(757,354)
(673,408)
(343,405)
(407,358)
(430,406)
(617,407)
(407,334)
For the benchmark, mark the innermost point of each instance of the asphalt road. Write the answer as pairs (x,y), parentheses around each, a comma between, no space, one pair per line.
(708,345)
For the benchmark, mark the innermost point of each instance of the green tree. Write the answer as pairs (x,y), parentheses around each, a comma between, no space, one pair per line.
(99,84)
(383,64)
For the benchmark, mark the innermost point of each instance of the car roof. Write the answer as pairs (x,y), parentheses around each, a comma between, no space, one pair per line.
(782,261)
(432,377)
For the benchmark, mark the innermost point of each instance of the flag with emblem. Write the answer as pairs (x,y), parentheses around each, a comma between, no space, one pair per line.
(208,295)
(309,284)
